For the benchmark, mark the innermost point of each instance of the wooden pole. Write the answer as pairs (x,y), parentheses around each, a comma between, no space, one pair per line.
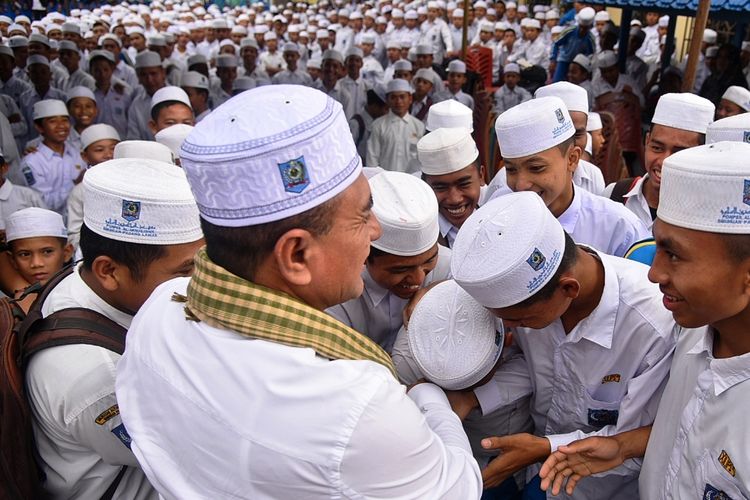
(465,34)
(701,18)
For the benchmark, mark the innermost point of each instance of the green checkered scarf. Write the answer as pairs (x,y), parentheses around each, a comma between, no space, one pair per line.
(221,299)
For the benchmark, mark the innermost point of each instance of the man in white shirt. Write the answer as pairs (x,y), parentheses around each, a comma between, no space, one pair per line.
(535,51)
(152,76)
(292,75)
(317,217)
(435,33)
(353,82)
(140,228)
(595,337)
(404,259)
(610,79)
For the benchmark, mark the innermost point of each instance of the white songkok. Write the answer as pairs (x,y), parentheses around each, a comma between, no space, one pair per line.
(574,96)
(605,59)
(589,144)
(194,79)
(512,68)
(173,137)
(738,95)
(523,240)
(533,126)
(720,172)
(586,16)
(446,150)
(144,149)
(80,91)
(34,222)
(168,94)
(48,108)
(301,133)
(594,122)
(140,201)
(98,132)
(399,85)
(402,65)
(685,111)
(454,340)
(709,36)
(407,210)
(147,59)
(733,128)
(449,114)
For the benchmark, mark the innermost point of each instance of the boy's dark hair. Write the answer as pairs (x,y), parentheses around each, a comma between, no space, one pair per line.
(701,137)
(40,121)
(564,146)
(135,256)
(157,109)
(240,250)
(569,259)
(374,99)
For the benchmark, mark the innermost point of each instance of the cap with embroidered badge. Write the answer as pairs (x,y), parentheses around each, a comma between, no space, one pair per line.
(574,96)
(407,210)
(685,111)
(98,132)
(739,96)
(34,222)
(721,174)
(302,131)
(138,200)
(446,150)
(18,41)
(733,128)
(519,227)
(449,114)
(533,126)
(194,79)
(48,108)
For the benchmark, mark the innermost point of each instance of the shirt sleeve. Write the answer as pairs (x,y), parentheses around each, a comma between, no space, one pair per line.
(510,383)
(418,444)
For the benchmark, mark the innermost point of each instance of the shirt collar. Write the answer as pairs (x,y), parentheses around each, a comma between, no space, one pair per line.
(599,326)
(569,217)
(394,116)
(725,372)
(47,152)
(446,227)
(637,187)
(376,292)
(5,190)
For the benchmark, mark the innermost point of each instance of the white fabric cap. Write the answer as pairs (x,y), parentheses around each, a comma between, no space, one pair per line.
(424,49)
(333,55)
(37,59)
(412,14)
(34,222)
(533,126)
(80,91)
(586,16)
(314,63)
(109,56)
(511,68)
(98,132)
(584,61)
(606,59)
(147,59)
(556,29)
(709,36)
(407,210)
(457,66)
(399,85)
(446,150)
(140,201)
(534,24)
(733,128)
(636,22)
(685,111)
(551,14)
(574,96)
(48,108)
(589,144)
(402,65)
(449,114)
(150,150)
(663,21)
(520,228)
(455,341)
(523,8)
(226,60)
(170,93)
(594,122)
(299,130)
(602,15)
(738,95)
(720,172)
(173,137)
(194,79)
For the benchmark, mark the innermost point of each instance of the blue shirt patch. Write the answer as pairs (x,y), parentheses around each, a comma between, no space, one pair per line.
(28,175)
(122,434)
(600,418)
(711,493)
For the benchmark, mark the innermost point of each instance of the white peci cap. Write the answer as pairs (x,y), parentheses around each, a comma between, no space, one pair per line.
(399,85)
(589,145)
(170,93)
(34,222)
(533,126)
(520,228)
(301,131)
(136,200)
(98,132)
(194,79)
(446,150)
(738,95)
(48,108)
(583,61)
(594,122)
(574,96)
(585,16)
(449,114)
(734,128)
(80,91)
(147,59)
(720,172)
(663,21)
(511,68)
(173,137)
(150,150)
(407,210)
(685,111)
(709,36)
(455,341)
(605,59)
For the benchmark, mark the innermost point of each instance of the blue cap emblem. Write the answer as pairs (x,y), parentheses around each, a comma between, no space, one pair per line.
(536,260)
(559,115)
(131,210)
(746,193)
(746,136)
(294,175)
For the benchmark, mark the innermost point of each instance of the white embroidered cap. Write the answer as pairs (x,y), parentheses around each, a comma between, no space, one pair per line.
(170,93)
(720,172)
(523,240)
(574,96)
(407,210)
(399,85)
(48,108)
(684,111)
(151,150)
(455,341)
(173,137)
(594,122)
(446,150)
(34,222)
(147,59)
(583,61)
(269,153)
(533,126)
(738,95)
(733,128)
(194,79)
(80,91)
(449,114)
(140,201)
(98,132)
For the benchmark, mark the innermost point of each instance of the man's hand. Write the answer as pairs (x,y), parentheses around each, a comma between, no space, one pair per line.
(569,464)
(516,452)
(462,402)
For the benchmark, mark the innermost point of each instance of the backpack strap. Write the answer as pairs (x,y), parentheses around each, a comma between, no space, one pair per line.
(110,493)
(623,187)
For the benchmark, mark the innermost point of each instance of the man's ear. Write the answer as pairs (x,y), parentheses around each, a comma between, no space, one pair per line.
(293,253)
(152,127)
(574,156)
(570,287)
(67,252)
(108,273)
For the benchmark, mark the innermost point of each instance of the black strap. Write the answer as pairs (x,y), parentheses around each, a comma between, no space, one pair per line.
(113,487)
(622,187)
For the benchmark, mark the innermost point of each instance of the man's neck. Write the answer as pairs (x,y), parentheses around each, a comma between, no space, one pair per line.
(589,271)
(104,86)
(731,336)
(42,91)
(651,193)
(562,202)
(57,147)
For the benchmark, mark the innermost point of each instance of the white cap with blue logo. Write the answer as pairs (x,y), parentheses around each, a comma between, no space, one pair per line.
(533,126)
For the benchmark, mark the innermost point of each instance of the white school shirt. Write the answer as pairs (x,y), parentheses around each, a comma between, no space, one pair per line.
(139,114)
(286,77)
(392,144)
(589,177)
(699,443)
(81,440)
(52,174)
(126,73)
(14,198)
(113,107)
(604,377)
(635,201)
(377,313)
(79,78)
(214,414)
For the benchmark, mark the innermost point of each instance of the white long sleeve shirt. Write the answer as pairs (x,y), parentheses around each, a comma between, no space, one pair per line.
(213,414)
(52,174)
(699,443)
(393,143)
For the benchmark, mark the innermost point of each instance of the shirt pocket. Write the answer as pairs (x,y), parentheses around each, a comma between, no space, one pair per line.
(714,480)
(594,414)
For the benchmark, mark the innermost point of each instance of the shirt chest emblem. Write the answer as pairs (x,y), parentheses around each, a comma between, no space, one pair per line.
(726,462)
(613,377)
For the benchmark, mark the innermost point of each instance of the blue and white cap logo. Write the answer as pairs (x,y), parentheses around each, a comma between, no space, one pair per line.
(131,210)
(294,175)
